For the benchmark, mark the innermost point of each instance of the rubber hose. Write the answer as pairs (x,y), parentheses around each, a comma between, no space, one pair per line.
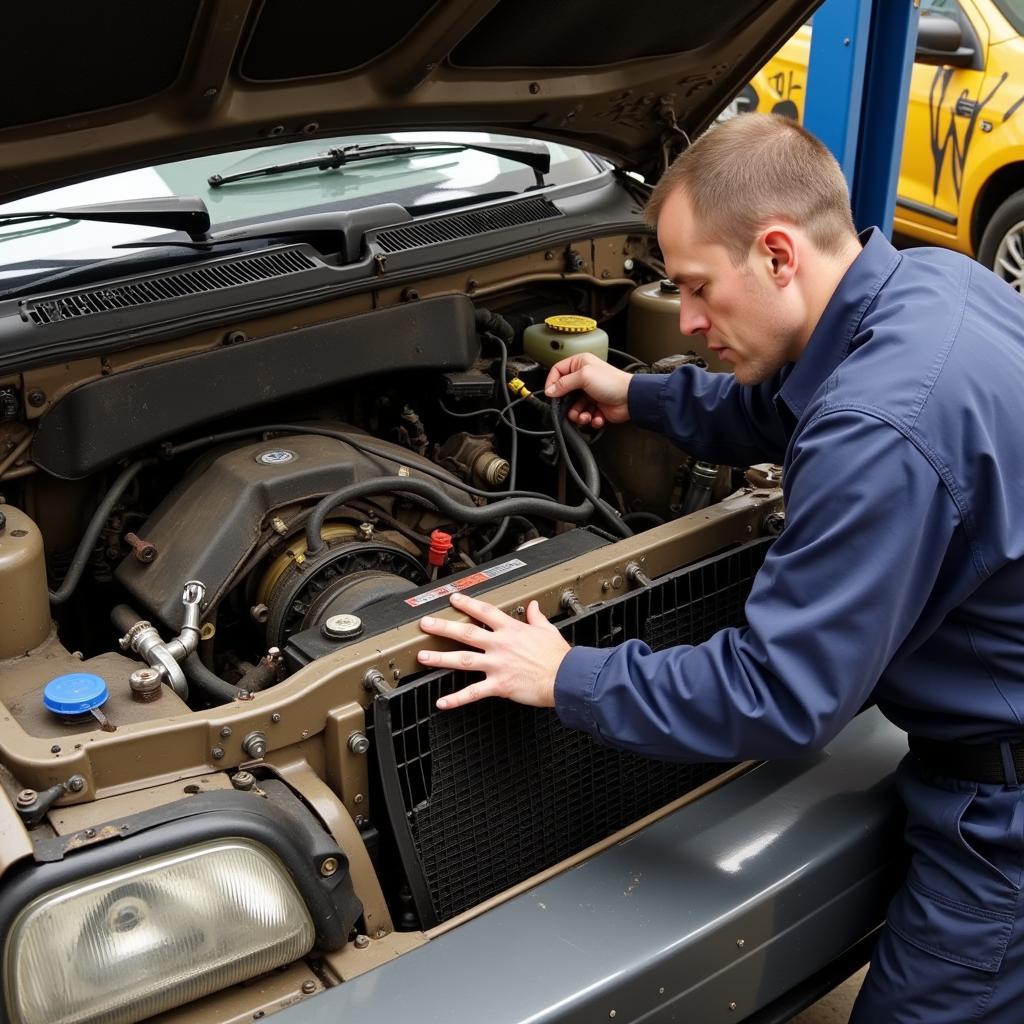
(95,527)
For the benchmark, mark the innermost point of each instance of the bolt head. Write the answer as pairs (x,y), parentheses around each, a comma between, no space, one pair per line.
(217,753)
(328,866)
(309,987)
(76,784)
(225,731)
(26,798)
(243,780)
(361,942)
(358,743)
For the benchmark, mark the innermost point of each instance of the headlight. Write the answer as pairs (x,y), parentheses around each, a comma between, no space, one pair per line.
(132,942)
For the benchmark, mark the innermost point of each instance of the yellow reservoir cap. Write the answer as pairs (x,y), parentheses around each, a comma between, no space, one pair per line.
(569,323)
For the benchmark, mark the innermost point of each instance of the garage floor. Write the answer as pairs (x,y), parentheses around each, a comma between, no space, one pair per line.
(836,1006)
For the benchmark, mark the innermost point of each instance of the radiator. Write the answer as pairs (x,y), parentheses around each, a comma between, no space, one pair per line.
(484,797)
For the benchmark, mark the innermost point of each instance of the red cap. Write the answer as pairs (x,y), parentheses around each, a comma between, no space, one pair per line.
(440,545)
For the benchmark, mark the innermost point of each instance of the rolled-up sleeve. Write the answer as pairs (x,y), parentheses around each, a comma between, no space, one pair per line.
(868,523)
(710,414)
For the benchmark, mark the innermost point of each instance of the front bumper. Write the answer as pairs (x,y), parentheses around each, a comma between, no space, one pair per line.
(707,915)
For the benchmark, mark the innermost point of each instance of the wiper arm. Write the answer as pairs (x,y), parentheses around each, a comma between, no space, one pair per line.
(178,213)
(536,157)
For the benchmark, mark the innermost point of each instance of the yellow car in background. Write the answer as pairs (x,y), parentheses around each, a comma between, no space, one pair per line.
(961,180)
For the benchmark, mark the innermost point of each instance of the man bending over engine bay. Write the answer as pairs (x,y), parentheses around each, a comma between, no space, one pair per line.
(889,385)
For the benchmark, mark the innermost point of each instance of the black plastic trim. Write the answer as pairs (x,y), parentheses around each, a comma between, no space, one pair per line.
(928,211)
(277,821)
(110,417)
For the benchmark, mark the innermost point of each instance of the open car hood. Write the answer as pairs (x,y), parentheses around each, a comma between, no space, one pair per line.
(91,89)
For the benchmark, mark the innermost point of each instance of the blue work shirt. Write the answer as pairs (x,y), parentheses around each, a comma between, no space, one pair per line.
(900,572)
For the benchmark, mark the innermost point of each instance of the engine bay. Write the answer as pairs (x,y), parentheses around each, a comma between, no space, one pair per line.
(215,553)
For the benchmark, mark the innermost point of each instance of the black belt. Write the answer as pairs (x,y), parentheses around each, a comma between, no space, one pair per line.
(976,762)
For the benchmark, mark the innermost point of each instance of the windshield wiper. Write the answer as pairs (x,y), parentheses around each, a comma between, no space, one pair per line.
(178,213)
(536,157)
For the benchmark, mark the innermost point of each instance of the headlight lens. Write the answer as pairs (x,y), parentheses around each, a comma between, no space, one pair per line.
(135,941)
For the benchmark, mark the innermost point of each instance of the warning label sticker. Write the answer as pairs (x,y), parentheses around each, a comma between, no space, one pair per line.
(464,582)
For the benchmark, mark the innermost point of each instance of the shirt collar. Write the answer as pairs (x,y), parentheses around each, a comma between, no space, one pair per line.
(830,340)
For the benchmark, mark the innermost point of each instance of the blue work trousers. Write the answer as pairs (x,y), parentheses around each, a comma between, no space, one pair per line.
(952,949)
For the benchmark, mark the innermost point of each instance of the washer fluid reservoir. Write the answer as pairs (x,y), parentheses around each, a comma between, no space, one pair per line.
(562,336)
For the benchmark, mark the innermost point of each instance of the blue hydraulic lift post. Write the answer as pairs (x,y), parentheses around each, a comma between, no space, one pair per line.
(858,80)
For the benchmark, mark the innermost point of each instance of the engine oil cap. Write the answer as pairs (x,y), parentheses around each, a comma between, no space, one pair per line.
(76,693)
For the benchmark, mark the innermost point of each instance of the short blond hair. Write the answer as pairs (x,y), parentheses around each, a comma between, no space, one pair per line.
(755,168)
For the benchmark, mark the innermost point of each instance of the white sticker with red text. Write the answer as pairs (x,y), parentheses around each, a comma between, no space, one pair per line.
(465,582)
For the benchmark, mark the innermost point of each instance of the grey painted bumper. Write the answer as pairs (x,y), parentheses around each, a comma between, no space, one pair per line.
(707,915)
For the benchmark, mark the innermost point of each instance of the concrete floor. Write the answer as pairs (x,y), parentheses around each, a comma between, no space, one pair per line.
(836,1006)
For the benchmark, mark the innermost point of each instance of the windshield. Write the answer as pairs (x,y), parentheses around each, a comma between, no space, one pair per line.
(415,181)
(1013,11)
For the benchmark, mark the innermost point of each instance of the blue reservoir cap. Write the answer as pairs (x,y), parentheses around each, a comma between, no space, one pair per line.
(76,693)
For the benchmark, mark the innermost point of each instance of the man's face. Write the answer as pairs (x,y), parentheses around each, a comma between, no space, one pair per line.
(748,320)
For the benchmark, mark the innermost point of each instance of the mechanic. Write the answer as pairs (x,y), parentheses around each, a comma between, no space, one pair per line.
(890,385)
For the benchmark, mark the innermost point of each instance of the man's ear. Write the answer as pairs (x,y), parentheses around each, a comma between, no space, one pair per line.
(778,249)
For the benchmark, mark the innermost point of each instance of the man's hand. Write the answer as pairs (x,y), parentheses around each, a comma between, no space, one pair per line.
(519,659)
(605,389)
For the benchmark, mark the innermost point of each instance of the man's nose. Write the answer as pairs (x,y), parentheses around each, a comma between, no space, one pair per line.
(691,320)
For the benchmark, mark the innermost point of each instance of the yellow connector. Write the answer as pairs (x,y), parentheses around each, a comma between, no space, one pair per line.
(518,388)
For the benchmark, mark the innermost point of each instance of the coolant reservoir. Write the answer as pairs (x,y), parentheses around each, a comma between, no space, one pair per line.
(654,327)
(24,603)
(562,336)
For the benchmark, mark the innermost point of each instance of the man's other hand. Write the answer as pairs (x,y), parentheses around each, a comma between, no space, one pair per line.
(519,660)
(604,387)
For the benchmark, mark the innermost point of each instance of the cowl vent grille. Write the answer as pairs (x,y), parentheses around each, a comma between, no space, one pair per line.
(465,225)
(182,283)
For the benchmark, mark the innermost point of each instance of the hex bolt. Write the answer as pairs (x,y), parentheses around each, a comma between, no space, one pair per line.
(259,613)
(27,797)
(308,987)
(243,780)
(362,942)
(225,731)
(142,549)
(375,682)
(328,866)
(571,603)
(358,743)
(55,749)
(275,717)
(732,1006)
(255,744)
(637,576)
(36,397)
(217,753)
(90,833)
(75,784)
